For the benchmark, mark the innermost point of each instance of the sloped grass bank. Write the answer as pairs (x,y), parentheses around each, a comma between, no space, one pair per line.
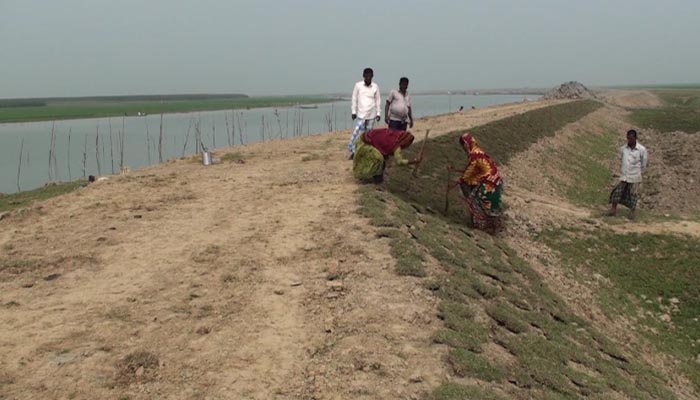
(501,139)
(583,173)
(654,284)
(16,200)
(681,112)
(510,336)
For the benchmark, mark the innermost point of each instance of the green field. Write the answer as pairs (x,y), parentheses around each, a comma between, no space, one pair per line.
(680,112)
(23,110)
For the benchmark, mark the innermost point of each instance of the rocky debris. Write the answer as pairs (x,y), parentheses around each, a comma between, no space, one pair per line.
(569,90)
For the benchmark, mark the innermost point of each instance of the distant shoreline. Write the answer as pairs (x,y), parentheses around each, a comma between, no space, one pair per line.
(63,108)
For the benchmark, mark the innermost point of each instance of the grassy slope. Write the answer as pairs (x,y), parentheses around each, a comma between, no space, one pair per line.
(11,201)
(501,139)
(654,278)
(92,108)
(492,299)
(681,112)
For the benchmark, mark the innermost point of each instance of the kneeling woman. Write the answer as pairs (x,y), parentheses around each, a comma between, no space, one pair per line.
(374,149)
(481,185)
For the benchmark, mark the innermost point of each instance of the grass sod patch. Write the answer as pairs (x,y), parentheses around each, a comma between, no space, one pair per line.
(455,391)
(585,166)
(466,363)
(656,274)
(681,112)
(229,157)
(483,274)
(501,139)
(16,200)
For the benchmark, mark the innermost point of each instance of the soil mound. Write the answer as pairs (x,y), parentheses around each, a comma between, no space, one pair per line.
(569,90)
(671,180)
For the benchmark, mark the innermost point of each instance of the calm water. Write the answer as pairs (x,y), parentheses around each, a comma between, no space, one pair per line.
(140,136)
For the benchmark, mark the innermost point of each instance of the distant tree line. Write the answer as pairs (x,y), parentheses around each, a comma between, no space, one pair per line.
(11,103)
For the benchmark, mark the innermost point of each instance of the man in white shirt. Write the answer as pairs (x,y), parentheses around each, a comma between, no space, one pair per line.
(365,107)
(634,160)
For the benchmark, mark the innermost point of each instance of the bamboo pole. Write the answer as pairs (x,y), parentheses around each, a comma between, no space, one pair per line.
(111,145)
(148,143)
(228,130)
(122,137)
(97,151)
(420,154)
(84,155)
(51,147)
(70,178)
(19,164)
(187,137)
(160,140)
(213,131)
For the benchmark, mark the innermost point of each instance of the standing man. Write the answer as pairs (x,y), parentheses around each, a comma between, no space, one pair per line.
(365,107)
(398,107)
(634,161)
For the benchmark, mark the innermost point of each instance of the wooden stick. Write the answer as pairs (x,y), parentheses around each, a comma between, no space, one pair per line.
(111,145)
(160,140)
(70,178)
(19,164)
(97,150)
(420,154)
(447,189)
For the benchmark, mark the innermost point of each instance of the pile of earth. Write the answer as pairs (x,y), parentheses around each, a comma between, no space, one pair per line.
(569,90)
(672,180)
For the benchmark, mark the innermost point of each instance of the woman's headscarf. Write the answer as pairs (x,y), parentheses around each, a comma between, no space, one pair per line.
(388,140)
(468,139)
(481,168)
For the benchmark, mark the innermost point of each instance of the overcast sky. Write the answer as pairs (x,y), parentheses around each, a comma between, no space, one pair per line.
(258,47)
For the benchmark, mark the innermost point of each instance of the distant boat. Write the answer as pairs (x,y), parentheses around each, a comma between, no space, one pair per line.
(140,114)
(308,107)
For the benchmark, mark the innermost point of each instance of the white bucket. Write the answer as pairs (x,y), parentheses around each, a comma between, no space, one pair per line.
(206,157)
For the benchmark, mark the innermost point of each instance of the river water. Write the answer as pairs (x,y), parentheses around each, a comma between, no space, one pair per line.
(82,147)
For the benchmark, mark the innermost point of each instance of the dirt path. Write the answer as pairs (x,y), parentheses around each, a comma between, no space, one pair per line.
(243,281)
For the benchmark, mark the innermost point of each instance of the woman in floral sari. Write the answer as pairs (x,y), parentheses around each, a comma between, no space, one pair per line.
(481,185)
(374,149)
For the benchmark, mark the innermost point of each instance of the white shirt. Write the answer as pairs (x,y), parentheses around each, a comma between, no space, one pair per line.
(366,103)
(634,161)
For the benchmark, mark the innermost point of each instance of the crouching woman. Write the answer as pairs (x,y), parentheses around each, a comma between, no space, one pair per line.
(374,150)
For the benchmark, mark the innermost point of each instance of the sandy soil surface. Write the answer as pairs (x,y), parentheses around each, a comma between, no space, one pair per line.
(253,280)
(629,98)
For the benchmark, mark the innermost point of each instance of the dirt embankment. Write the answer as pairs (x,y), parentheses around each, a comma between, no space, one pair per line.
(240,280)
(629,98)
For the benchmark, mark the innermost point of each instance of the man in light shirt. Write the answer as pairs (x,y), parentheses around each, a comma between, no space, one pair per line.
(398,107)
(365,107)
(634,160)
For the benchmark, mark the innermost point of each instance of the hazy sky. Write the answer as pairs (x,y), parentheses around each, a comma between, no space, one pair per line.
(100,47)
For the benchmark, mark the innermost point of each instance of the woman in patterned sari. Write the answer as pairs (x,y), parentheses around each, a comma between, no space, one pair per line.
(481,186)
(374,149)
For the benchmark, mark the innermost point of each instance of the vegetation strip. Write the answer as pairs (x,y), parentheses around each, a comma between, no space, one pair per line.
(501,139)
(505,328)
(98,107)
(653,284)
(680,112)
